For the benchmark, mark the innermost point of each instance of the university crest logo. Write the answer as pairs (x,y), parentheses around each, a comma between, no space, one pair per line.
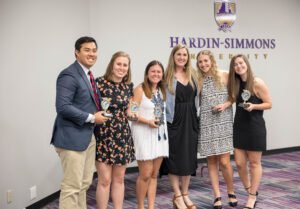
(225,14)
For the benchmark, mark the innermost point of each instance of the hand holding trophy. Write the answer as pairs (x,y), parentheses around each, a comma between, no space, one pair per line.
(105,103)
(246,94)
(134,108)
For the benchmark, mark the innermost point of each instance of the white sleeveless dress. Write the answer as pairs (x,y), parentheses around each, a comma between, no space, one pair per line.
(149,143)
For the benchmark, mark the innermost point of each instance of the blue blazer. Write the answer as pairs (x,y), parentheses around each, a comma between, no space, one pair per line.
(74,101)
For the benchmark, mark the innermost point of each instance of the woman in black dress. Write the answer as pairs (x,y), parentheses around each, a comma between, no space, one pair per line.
(181,113)
(252,97)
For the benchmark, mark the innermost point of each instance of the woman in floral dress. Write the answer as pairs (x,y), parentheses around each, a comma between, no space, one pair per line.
(114,148)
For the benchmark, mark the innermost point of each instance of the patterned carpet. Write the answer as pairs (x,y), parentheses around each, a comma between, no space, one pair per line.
(280,187)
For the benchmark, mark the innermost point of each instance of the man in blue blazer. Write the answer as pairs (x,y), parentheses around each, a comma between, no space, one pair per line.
(78,111)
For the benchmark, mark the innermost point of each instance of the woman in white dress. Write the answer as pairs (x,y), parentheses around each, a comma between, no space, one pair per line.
(149,131)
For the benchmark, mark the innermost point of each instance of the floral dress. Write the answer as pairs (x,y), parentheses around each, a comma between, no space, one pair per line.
(114,143)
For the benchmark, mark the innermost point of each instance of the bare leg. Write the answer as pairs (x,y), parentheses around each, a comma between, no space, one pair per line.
(227,172)
(178,199)
(240,157)
(143,180)
(117,187)
(255,175)
(153,183)
(103,186)
(185,191)
(213,170)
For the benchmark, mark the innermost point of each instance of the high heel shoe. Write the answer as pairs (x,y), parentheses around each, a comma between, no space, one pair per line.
(217,206)
(248,207)
(175,205)
(231,203)
(192,206)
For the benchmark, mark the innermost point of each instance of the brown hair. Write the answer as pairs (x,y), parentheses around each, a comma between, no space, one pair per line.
(109,69)
(147,85)
(233,85)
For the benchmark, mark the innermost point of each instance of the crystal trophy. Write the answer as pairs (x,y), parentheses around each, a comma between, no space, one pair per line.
(157,114)
(246,94)
(213,101)
(134,108)
(105,103)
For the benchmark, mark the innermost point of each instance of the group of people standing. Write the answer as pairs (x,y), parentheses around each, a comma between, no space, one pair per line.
(174,113)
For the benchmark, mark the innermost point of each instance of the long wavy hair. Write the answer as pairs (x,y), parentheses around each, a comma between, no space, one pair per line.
(109,69)
(147,85)
(214,69)
(170,71)
(234,79)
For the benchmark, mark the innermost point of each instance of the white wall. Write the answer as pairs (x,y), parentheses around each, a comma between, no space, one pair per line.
(37,42)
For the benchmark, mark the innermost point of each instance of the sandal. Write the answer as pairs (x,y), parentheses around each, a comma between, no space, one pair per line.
(247,207)
(217,206)
(175,205)
(232,203)
(192,206)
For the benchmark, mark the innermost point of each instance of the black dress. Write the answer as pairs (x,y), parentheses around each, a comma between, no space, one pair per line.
(249,130)
(183,134)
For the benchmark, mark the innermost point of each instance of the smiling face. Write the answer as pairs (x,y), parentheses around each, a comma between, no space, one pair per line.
(87,54)
(181,58)
(240,66)
(204,63)
(120,68)
(155,74)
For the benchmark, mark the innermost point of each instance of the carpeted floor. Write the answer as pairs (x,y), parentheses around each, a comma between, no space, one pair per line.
(280,187)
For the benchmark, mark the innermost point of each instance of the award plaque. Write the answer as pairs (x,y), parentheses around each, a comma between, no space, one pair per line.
(157,114)
(105,103)
(246,94)
(134,108)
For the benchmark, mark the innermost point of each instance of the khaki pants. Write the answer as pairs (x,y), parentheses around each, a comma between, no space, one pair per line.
(78,169)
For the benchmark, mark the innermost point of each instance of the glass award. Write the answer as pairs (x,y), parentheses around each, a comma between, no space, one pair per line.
(213,101)
(246,94)
(134,108)
(157,114)
(105,103)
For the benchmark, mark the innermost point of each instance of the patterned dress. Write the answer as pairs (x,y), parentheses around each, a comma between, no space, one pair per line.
(216,129)
(114,144)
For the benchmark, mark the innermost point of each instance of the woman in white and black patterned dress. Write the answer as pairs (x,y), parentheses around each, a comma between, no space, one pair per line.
(216,120)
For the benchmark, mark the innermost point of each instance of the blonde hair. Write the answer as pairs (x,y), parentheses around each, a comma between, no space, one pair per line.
(214,70)
(190,72)
(109,69)
(233,85)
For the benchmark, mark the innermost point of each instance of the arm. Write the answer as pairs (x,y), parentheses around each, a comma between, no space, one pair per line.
(261,91)
(66,88)
(138,93)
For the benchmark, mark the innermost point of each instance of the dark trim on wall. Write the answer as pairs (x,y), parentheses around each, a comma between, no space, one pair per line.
(43,202)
